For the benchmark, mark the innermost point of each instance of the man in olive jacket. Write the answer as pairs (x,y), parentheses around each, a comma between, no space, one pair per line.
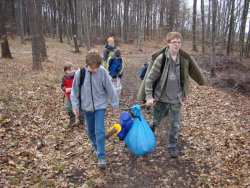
(172,86)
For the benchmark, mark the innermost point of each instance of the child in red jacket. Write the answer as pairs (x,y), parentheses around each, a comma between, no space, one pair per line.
(66,86)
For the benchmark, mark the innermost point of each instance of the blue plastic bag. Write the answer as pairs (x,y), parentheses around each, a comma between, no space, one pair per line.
(140,139)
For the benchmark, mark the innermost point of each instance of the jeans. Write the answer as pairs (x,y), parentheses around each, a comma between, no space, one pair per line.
(68,108)
(96,131)
(160,110)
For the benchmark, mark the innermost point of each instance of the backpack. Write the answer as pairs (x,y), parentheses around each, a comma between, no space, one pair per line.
(143,71)
(82,77)
(141,94)
(110,52)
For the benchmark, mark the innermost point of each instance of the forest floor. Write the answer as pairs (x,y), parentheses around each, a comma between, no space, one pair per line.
(214,134)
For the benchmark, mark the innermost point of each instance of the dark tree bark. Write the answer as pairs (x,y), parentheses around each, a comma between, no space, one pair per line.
(231,29)
(248,42)
(208,19)
(243,27)
(3,35)
(59,20)
(203,26)
(73,26)
(20,17)
(39,17)
(213,33)
(86,28)
(194,25)
(37,65)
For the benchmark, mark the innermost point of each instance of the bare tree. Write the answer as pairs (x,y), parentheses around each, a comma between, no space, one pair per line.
(231,29)
(203,26)
(73,26)
(3,35)
(194,25)
(20,17)
(248,42)
(37,65)
(42,45)
(243,27)
(79,21)
(142,25)
(213,33)
(86,27)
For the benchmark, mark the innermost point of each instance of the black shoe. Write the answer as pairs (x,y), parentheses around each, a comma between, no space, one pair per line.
(153,129)
(173,152)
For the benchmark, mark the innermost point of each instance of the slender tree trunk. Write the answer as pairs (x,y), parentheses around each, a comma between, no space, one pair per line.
(243,27)
(79,21)
(208,19)
(66,21)
(73,26)
(20,16)
(3,36)
(213,33)
(37,65)
(86,28)
(203,26)
(194,25)
(42,44)
(142,26)
(248,42)
(231,30)
(59,7)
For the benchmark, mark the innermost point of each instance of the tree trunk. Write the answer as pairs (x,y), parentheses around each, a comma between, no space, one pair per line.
(125,23)
(203,26)
(20,17)
(243,27)
(66,21)
(79,21)
(86,28)
(248,42)
(194,25)
(3,36)
(73,26)
(208,19)
(231,30)
(59,7)
(37,65)
(42,44)
(213,33)
(142,26)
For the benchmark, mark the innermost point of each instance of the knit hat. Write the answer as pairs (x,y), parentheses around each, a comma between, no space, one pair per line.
(117,52)
(110,39)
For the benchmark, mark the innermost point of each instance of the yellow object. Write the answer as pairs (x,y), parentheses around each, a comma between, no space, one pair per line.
(110,39)
(118,127)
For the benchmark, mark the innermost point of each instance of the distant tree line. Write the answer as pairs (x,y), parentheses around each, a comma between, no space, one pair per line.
(90,21)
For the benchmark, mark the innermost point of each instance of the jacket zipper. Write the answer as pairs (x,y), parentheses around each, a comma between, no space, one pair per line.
(92,91)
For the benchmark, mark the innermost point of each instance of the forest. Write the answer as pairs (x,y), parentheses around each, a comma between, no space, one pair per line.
(39,36)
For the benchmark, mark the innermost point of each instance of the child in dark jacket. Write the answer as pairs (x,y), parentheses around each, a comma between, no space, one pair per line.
(115,67)
(66,86)
(95,92)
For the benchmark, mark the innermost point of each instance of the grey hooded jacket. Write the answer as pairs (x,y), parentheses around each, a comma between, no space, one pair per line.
(95,91)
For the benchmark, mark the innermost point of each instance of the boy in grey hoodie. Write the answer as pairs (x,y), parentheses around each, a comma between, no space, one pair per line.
(96,89)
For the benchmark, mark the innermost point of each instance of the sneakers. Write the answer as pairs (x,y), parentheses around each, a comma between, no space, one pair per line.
(173,152)
(81,124)
(101,163)
(71,122)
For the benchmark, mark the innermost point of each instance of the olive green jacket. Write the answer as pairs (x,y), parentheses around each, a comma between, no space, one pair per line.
(188,67)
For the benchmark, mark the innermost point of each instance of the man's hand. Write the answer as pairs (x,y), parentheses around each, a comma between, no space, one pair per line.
(76,112)
(185,99)
(150,102)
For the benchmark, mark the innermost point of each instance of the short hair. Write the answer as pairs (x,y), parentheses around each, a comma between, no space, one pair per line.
(67,65)
(173,35)
(93,58)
